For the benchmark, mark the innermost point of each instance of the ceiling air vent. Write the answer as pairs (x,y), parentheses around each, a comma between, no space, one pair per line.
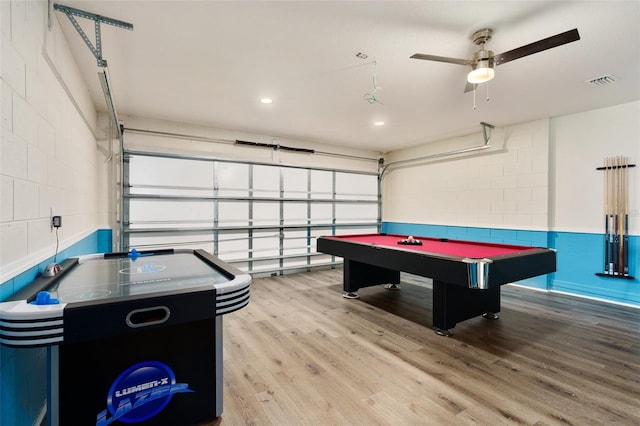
(602,81)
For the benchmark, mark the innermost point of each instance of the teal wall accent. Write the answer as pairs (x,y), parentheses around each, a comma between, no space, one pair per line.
(23,371)
(579,257)
(98,242)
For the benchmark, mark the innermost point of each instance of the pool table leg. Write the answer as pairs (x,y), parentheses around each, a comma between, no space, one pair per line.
(453,304)
(357,275)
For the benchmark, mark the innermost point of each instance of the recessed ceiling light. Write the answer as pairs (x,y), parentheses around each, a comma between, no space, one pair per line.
(378,123)
(266,100)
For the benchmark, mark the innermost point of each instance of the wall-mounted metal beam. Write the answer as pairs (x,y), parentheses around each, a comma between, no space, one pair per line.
(103,76)
(486,135)
(98,19)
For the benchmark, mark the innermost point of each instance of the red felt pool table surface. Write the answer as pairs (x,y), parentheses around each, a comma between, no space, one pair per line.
(473,250)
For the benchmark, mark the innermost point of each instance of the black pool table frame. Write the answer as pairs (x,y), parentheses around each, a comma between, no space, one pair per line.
(462,288)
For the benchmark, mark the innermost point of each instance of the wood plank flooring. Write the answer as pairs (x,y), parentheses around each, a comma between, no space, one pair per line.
(301,354)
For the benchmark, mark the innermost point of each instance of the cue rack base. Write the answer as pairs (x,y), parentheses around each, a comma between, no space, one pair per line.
(624,277)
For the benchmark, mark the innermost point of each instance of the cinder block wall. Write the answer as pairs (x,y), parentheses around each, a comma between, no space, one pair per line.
(49,164)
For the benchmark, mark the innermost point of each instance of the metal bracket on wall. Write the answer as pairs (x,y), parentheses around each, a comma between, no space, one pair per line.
(97,49)
(486,136)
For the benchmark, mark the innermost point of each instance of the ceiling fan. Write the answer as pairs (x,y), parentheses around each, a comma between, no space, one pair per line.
(483,61)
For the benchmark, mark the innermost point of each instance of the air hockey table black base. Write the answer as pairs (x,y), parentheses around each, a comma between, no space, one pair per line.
(168,376)
(130,339)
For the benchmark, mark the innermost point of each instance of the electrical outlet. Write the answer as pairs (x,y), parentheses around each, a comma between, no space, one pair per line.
(56,221)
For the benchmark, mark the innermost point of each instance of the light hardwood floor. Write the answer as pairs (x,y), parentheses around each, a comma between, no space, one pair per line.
(301,354)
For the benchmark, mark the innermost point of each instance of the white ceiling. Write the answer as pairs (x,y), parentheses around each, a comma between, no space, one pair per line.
(209,63)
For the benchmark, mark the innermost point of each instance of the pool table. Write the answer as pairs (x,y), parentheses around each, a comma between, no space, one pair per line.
(466,275)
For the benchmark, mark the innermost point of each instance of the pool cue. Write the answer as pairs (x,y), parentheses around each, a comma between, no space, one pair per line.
(617,217)
(621,248)
(610,215)
(614,222)
(625,254)
(606,215)
(614,225)
(620,216)
(621,213)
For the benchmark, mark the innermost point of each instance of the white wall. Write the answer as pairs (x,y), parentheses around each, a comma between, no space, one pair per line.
(579,145)
(536,176)
(49,163)
(504,186)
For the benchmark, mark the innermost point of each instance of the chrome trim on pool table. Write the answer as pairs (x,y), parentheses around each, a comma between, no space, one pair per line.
(478,272)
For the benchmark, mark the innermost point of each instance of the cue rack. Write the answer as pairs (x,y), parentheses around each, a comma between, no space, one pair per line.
(616,217)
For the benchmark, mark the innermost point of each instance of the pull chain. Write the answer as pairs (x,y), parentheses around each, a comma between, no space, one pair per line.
(474,96)
(475,87)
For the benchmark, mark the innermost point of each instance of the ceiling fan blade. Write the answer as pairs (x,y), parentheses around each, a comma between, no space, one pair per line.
(469,87)
(441,59)
(537,46)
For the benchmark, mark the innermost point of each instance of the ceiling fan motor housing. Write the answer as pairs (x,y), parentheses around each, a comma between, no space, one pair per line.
(482,59)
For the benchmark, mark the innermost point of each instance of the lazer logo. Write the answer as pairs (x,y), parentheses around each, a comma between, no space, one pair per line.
(139,393)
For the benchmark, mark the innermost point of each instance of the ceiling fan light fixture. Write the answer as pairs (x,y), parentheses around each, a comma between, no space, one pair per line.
(482,73)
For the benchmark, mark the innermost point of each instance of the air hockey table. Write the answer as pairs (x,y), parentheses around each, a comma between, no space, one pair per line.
(466,275)
(131,338)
